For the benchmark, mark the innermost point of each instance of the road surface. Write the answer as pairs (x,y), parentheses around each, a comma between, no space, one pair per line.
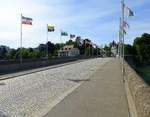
(35,94)
(102,96)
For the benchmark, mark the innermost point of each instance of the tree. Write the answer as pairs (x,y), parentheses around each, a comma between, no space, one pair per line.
(36,54)
(42,47)
(58,46)
(12,53)
(142,46)
(25,53)
(129,50)
(70,42)
(3,52)
(51,48)
(108,50)
(87,47)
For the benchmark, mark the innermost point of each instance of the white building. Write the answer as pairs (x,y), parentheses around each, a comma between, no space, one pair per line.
(114,50)
(68,51)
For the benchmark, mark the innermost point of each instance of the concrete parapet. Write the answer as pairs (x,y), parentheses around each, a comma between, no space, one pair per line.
(139,90)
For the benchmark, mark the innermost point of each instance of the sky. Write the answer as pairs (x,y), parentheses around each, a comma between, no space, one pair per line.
(97,20)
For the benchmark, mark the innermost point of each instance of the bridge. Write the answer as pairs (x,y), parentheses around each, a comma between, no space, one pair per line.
(84,88)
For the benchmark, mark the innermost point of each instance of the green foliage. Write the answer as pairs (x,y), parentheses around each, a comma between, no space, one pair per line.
(11,54)
(36,54)
(85,47)
(145,72)
(25,53)
(58,46)
(108,50)
(129,50)
(70,42)
(88,52)
(51,48)
(3,52)
(142,47)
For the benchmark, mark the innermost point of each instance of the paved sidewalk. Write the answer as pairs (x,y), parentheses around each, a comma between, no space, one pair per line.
(102,96)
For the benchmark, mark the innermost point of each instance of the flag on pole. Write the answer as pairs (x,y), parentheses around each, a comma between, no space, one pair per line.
(128,12)
(26,20)
(63,33)
(72,36)
(122,32)
(125,24)
(50,28)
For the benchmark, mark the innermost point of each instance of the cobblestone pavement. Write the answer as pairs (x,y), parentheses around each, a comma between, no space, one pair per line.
(24,96)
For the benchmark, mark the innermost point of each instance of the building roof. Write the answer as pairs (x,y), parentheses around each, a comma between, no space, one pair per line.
(66,47)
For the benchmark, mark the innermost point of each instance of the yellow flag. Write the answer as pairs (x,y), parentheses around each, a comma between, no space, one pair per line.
(50,28)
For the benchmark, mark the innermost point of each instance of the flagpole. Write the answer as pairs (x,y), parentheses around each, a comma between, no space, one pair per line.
(89,50)
(119,48)
(21,40)
(92,49)
(61,37)
(47,43)
(122,37)
(119,39)
(97,50)
(70,37)
(84,48)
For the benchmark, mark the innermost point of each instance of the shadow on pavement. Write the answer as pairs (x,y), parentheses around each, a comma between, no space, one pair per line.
(78,80)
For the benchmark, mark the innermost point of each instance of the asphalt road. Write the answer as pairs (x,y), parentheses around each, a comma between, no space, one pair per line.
(101,96)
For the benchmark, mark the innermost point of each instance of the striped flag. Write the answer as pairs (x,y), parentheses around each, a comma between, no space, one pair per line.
(125,24)
(26,20)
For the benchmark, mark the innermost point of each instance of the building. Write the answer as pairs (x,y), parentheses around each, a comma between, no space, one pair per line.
(68,51)
(4,51)
(114,50)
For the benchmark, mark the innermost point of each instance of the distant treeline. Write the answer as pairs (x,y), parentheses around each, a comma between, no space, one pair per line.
(41,51)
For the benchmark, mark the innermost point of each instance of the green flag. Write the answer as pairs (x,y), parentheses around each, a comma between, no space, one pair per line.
(63,33)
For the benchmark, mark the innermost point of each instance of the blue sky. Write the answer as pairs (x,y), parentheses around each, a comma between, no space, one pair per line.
(94,19)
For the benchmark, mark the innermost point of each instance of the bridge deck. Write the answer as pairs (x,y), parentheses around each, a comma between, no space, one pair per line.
(33,94)
(102,96)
